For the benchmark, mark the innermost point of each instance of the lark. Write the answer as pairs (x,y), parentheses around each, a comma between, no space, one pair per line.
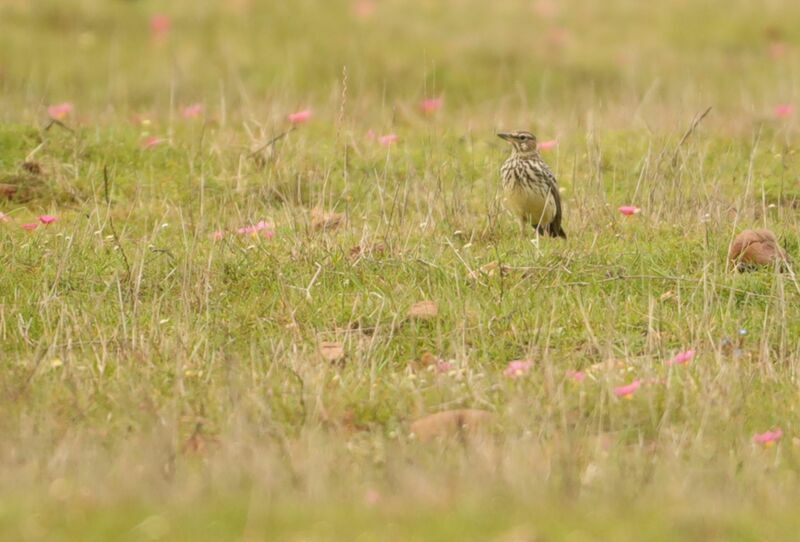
(531,188)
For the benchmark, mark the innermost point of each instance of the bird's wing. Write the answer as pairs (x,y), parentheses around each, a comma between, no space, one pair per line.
(553,184)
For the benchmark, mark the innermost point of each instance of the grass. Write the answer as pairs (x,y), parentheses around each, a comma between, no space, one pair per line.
(160,384)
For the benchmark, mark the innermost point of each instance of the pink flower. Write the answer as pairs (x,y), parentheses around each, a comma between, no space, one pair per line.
(769,438)
(152,142)
(47,219)
(546,8)
(388,140)
(629,390)
(30,226)
(218,235)
(518,368)
(265,228)
(300,116)
(60,111)
(547,145)
(443,366)
(372,497)
(784,111)
(371,134)
(364,9)
(577,376)
(682,358)
(160,25)
(629,210)
(431,105)
(777,49)
(192,111)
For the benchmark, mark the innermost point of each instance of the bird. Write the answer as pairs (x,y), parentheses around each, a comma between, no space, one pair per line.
(756,248)
(531,188)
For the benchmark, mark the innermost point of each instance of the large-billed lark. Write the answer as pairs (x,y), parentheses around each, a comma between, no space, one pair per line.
(531,188)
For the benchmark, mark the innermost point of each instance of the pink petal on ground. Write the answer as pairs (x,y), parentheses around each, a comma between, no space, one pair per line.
(547,145)
(784,111)
(629,390)
(682,359)
(160,25)
(265,228)
(518,368)
(443,366)
(218,235)
(300,116)
(545,8)
(60,111)
(388,139)
(152,142)
(777,49)
(29,227)
(47,219)
(192,111)
(431,105)
(364,9)
(769,438)
(629,210)
(577,376)
(372,497)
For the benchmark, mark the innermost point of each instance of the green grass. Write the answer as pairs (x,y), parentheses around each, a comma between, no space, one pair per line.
(159,384)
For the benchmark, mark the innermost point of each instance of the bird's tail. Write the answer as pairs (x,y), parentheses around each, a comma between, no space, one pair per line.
(555,230)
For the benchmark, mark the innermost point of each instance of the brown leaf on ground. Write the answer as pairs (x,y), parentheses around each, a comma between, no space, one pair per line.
(451,423)
(425,361)
(332,351)
(34,168)
(754,248)
(324,220)
(423,310)
(368,249)
(198,442)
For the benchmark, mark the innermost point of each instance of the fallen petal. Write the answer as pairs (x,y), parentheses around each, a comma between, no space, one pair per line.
(768,438)
(577,376)
(160,25)
(547,145)
(629,390)
(682,358)
(518,368)
(388,139)
(192,111)
(60,111)
(629,210)
(783,111)
(431,105)
(300,116)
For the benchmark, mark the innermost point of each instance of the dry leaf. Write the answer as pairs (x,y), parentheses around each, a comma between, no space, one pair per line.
(423,310)
(331,351)
(361,250)
(322,220)
(451,422)
(753,248)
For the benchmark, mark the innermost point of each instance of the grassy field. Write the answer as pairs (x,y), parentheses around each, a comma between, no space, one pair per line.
(172,370)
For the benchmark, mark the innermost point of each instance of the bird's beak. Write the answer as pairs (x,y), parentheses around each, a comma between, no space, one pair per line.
(504,135)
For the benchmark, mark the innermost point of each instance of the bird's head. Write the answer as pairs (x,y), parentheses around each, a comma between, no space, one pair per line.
(522,142)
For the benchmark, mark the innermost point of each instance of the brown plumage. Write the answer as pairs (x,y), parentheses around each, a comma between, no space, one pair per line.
(755,248)
(531,188)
